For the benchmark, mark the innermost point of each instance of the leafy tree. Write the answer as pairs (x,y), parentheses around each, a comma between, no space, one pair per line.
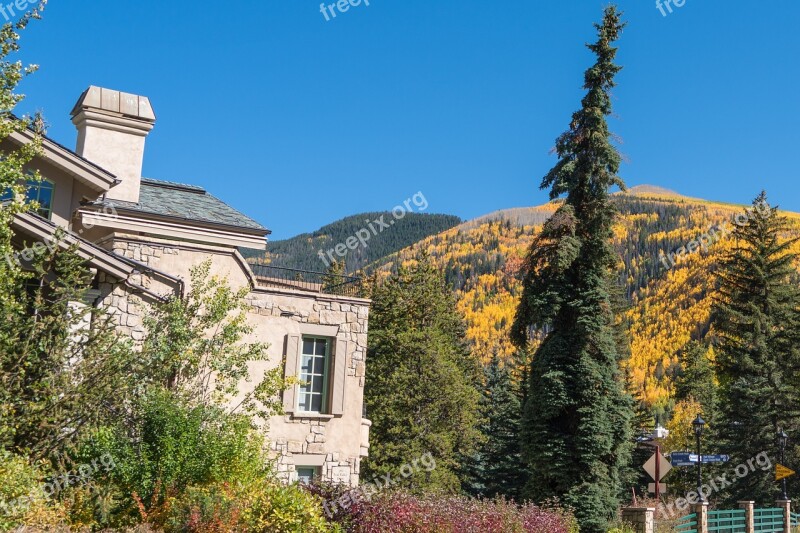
(59,375)
(577,420)
(13,177)
(757,319)
(498,468)
(195,349)
(422,390)
(681,439)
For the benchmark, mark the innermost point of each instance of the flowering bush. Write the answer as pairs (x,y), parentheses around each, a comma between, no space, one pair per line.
(400,512)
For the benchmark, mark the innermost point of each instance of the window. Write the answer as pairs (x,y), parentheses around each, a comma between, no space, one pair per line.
(40,192)
(314,371)
(306,474)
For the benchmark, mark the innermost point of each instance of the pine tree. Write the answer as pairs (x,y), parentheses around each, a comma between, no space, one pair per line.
(422,390)
(756,317)
(498,466)
(695,379)
(577,420)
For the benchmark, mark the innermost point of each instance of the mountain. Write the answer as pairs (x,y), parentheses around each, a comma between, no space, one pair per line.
(382,233)
(668,305)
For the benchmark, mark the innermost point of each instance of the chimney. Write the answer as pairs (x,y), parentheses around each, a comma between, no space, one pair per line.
(112,127)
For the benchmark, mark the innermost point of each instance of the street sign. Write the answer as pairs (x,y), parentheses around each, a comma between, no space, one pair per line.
(716,458)
(663,466)
(690,459)
(782,472)
(662,488)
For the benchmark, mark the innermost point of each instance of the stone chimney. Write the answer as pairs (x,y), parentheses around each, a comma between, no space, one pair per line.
(112,127)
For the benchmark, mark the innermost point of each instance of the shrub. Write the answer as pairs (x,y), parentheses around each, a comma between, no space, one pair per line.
(253,508)
(23,500)
(172,447)
(400,512)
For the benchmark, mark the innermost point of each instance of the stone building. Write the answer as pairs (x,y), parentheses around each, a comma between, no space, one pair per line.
(142,236)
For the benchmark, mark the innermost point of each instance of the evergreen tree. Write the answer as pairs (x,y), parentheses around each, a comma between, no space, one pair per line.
(577,419)
(756,317)
(498,468)
(422,391)
(695,379)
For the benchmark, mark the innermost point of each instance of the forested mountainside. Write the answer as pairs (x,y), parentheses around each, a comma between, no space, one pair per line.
(668,307)
(302,252)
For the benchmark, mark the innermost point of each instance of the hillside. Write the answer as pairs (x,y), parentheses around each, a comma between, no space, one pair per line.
(302,252)
(668,307)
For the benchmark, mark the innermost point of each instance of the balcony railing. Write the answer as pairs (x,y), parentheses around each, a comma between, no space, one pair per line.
(304,280)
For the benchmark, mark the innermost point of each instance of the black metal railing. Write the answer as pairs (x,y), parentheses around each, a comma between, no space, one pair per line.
(305,280)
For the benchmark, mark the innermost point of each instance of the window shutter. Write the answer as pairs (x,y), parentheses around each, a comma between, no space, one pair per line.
(339,378)
(292,358)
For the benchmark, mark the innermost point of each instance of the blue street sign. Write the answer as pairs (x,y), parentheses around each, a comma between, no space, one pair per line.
(690,459)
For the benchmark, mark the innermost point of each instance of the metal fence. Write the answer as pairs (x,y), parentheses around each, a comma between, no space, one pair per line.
(687,524)
(768,520)
(304,280)
(732,521)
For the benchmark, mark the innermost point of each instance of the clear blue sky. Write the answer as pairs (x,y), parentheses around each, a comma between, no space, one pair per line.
(298,122)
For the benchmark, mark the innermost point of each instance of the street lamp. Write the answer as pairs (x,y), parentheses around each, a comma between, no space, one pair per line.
(783,438)
(698,425)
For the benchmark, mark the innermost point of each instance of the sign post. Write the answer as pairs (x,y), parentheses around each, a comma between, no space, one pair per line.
(657,467)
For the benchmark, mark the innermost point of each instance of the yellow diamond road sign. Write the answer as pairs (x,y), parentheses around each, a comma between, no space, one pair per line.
(782,472)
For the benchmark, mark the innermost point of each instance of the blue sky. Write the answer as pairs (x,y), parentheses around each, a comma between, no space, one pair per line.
(299,121)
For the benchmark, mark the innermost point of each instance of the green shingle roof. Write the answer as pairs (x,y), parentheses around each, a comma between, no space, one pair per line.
(188,202)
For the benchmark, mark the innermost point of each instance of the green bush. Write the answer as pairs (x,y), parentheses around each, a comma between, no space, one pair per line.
(174,446)
(256,507)
(23,499)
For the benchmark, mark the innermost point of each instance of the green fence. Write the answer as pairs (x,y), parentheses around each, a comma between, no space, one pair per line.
(768,520)
(733,521)
(795,519)
(687,524)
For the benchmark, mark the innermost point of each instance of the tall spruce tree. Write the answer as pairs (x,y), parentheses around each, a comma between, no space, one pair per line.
(696,380)
(757,321)
(422,391)
(497,468)
(577,419)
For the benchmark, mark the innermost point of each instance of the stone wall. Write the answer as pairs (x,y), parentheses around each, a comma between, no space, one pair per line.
(334,444)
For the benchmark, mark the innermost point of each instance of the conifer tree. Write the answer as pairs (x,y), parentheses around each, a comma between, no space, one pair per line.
(577,419)
(497,469)
(756,317)
(695,379)
(422,391)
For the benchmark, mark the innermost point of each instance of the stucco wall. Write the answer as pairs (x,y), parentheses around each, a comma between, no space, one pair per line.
(334,444)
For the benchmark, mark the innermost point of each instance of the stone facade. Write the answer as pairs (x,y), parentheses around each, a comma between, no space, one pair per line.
(142,237)
(332,444)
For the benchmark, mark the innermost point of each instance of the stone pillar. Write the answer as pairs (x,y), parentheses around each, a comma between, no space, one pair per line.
(786,507)
(749,519)
(701,510)
(641,518)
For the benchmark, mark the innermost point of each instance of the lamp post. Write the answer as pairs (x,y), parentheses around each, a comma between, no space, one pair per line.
(698,425)
(783,438)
